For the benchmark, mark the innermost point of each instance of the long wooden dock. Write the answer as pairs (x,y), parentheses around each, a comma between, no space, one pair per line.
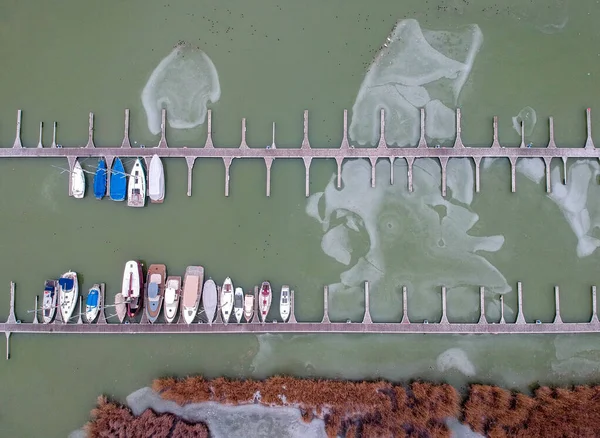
(365,325)
(306,153)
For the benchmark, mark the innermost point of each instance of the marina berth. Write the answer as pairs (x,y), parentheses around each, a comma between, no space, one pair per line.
(118,181)
(192,291)
(172,295)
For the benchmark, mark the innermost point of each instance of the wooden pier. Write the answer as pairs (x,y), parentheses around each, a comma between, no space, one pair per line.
(365,325)
(306,153)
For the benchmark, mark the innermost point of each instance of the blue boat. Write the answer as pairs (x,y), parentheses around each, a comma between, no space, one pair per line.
(100,180)
(118,181)
(92,303)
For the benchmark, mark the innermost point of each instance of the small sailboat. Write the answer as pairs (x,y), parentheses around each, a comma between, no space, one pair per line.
(136,187)
(49,300)
(209,300)
(192,291)
(100,179)
(238,304)
(156,180)
(118,181)
(133,282)
(248,307)
(264,300)
(155,290)
(92,303)
(172,294)
(227,299)
(77,181)
(120,307)
(284,303)
(68,292)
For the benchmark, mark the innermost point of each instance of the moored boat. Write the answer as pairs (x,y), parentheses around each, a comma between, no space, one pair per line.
(77,181)
(120,306)
(68,292)
(118,181)
(156,180)
(100,179)
(155,290)
(209,300)
(92,303)
(192,291)
(226,299)
(238,304)
(248,307)
(172,294)
(133,282)
(264,300)
(284,302)
(136,187)
(49,300)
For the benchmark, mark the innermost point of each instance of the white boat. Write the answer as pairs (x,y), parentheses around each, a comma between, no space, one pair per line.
(132,286)
(120,307)
(172,293)
(136,186)
(226,299)
(49,300)
(249,307)
(284,303)
(77,181)
(68,292)
(192,290)
(93,303)
(156,180)
(238,304)
(209,300)
(264,300)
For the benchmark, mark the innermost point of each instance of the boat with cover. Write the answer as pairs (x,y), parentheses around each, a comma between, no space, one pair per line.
(133,283)
(264,300)
(120,306)
(238,304)
(92,303)
(49,300)
(209,300)
(226,299)
(172,294)
(100,179)
(68,292)
(248,307)
(156,180)
(136,187)
(118,181)
(77,181)
(192,290)
(284,302)
(155,290)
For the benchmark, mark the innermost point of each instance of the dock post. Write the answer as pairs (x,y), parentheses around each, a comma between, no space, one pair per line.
(422,140)
(458,143)
(594,306)
(18,144)
(551,142)
(547,162)
(382,142)
(339,161)
(444,319)
(495,141)
(305,142)
(35,314)
(482,318)
(367,316)
(325,306)
(209,141)
(307,161)
(564,160)
(520,315)
(12,319)
(79,319)
(443,164)
(477,162)
(345,143)
(163,129)
(405,319)
(190,165)
(40,145)
(227,162)
(126,143)
(90,142)
(522,145)
(243,144)
(102,317)
(502,320)
(557,318)
(219,318)
(589,143)
(292,318)
(109,162)
(144,318)
(255,318)
(7,345)
(513,176)
(373,161)
(409,162)
(53,136)
(268,164)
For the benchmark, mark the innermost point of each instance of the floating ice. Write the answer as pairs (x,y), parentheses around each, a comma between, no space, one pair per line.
(528,117)
(183,83)
(455,358)
(335,244)
(415,68)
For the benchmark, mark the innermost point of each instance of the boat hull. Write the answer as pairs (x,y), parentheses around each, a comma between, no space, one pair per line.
(210,300)
(248,307)
(133,284)
(284,303)
(77,181)
(136,187)
(226,299)
(49,300)
(68,294)
(100,180)
(155,290)
(264,300)
(93,303)
(172,294)
(238,304)
(118,181)
(192,291)
(156,180)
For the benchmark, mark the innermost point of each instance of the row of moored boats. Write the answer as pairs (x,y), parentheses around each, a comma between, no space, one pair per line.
(123,186)
(168,294)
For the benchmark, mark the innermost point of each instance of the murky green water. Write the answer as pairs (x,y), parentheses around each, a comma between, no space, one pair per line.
(61,60)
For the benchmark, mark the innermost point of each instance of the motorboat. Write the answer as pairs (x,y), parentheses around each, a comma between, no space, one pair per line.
(136,187)
(210,300)
(264,300)
(155,290)
(238,304)
(192,291)
(172,294)
(120,307)
(156,180)
(68,292)
(118,181)
(284,303)
(49,300)
(100,179)
(77,181)
(93,303)
(226,299)
(248,307)
(133,283)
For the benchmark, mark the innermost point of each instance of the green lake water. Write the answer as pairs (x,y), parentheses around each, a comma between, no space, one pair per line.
(62,59)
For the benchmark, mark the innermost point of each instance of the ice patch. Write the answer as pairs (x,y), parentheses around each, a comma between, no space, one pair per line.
(455,358)
(528,117)
(183,83)
(459,430)
(336,245)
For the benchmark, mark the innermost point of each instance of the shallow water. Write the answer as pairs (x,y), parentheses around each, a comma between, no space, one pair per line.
(61,60)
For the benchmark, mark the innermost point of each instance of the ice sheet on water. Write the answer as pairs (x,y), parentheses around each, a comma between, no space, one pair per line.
(455,359)
(183,83)
(528,117)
